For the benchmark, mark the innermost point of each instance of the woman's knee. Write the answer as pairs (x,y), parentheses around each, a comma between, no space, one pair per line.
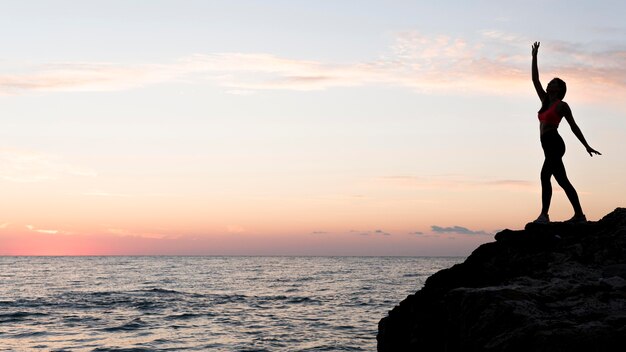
(564,182)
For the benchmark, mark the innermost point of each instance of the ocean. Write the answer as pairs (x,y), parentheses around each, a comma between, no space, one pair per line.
(203,303)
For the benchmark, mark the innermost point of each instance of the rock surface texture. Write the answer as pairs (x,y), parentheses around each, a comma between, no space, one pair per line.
(554,287)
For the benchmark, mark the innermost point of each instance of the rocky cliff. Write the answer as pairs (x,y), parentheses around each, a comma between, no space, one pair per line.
(554,287)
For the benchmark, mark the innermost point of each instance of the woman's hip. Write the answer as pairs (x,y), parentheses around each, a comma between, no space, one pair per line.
(552,144)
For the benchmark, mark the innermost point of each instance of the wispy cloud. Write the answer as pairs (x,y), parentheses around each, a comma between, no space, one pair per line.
(453,182)
(97,193)
(87,76)
(457,230)
(4,225)
(377,232)
(122,232)
(503,36)
(25,166)
(48,232)
(235,229)
(495,63)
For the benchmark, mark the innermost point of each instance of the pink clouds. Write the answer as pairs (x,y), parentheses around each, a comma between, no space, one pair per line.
(494,63)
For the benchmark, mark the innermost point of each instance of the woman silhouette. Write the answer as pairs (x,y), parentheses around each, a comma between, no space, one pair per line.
(553,109)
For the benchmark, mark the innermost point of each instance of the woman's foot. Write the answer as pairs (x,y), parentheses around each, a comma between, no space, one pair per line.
(542,219)
(577,219)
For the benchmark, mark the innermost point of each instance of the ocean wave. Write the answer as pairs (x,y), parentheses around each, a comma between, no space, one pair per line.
(162,291)
(119,349)
(413,275)
(288,299)
(331,347)
(302,300)
(134,324)
(29,334)
(19,316)
(183,316)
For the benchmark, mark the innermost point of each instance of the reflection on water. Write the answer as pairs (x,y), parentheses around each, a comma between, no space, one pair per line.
(202,303)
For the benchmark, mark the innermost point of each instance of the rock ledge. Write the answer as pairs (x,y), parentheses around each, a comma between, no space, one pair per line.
(554,287)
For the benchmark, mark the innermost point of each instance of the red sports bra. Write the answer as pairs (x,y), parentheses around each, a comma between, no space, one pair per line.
(550,116)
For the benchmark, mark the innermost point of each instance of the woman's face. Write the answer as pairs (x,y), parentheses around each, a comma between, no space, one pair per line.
(553,89)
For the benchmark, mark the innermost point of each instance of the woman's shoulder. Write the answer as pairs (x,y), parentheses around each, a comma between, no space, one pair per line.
(562,107)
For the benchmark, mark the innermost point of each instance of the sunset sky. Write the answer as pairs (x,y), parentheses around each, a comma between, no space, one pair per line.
(297,127)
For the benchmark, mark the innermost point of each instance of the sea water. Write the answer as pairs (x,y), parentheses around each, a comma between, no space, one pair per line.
(203,303)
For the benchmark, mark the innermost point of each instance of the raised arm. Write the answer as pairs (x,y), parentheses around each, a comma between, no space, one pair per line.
(566,112)
(540,92)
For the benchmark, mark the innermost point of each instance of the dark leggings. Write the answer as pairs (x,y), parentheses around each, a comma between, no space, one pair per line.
(554,149)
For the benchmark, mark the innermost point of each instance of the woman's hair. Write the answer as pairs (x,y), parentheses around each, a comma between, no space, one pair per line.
(562,89)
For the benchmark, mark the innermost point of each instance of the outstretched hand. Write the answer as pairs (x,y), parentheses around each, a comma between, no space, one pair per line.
(536,48)
(592,151)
